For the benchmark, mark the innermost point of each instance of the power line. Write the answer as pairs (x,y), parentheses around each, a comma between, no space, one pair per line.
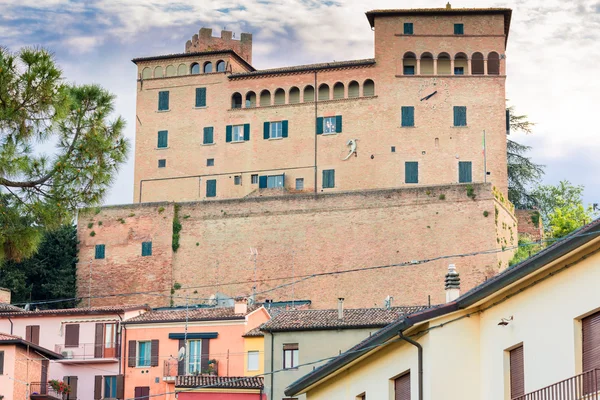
(315,275)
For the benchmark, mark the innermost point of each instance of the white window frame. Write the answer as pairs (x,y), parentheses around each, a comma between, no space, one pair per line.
(254,179)
(293,361)
(276,130)
(275,178)
(104,381)
(237,133)
(331,128)
(197,364)
(138,354)
(255,358)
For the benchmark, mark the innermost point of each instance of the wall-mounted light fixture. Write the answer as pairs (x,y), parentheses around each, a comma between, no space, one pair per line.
(505,321)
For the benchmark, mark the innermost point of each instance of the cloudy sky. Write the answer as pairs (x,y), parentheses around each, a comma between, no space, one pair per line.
(553,56)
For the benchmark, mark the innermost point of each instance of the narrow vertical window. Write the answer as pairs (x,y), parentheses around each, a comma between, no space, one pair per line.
(99,252)
(460,116)
(408,116)
(237,180)
(408,28)
(517,373)
(459,29)
(299,183)
(411,172)
(254,179)
(253,361)
(200,97)
(465,172)
(208,135)
(144,353)
(328,178)
(290,356)
(163,100)
(146,249)
(163,139)
(402,387)
(211,188)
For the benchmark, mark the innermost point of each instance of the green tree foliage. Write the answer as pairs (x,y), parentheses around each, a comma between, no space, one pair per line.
(49,274)
(525,250)
(523,174)
(58,150)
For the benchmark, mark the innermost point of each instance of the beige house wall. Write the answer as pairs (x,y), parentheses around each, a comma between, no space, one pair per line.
(466,353)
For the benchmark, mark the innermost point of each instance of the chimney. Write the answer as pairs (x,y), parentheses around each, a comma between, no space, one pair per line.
(448,6)
(452,284)
(4,296)
(241,306)
(341,308)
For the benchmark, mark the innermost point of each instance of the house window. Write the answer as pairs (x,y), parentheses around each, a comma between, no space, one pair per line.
(110,387)
(163,101)
(1,363)
(237,133)
(237,180)
(411,172)
(200,97)
(459,29)
(254,179)
(142,393)
(328,178)
(146,249)
(329,125)
(208,135)
(290,356)
(299,183)
(393,149)
(100,251)
(274,181)
(72,335)
(253,361)
(195,69)
(144,353)
(402,387)
(211,188)
(32,334)
(460,116)
(161,164)
(409,70)
(465,172)
(163,139)
(408,28)
(276,130)
(459,70)
(517,373)
(210,162)
(194,356)
(408,116)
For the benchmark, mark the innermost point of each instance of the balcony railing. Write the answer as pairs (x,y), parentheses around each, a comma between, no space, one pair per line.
(43,390)
(171,369)
(87,351)
(580,387)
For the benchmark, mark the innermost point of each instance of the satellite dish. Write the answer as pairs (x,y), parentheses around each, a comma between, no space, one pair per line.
(181,354)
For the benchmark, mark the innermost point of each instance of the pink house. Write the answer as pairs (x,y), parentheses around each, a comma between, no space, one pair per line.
(86,339)
(179,350)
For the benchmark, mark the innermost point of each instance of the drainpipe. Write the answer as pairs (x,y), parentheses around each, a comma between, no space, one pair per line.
(272,364)
(119,343)
(124,357)
(420,350)
(11,325)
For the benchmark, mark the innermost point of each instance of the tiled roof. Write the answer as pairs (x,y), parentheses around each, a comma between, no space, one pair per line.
(254,333)
(4,337)
(9,307)
(19,312)
(304,68)
(222,382)
(299,320)
(196,314)
(194,54)
(7,339)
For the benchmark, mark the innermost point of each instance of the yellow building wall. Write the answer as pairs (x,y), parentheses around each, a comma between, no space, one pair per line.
(254,344)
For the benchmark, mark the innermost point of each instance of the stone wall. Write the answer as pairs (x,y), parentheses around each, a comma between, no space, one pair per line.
(528,226)
(297,237)
(205,41)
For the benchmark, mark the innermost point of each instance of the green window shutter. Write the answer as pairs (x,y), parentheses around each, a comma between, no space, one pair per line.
(507,121)
(408,116)
(408,28)
(411,172)
(328,178)
(266,130)
(460,116)
(246,132)
(146,249)
(465,172)
(284,129)
(262,182)
(319,125)
(163,139)
(99,251)
(338,123)
(200,97)
(459,29)
(208,135)
(211,188)
(228,133)
(163,101)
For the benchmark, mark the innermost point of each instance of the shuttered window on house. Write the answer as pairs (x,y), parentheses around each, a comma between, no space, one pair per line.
(402,387)
(200,97)
(163,139)
(72,335)
(1,363)
(460,116)
(591,346)
(408,116)
(465,172)
(72,382)
(411,172)
(97,387)
(208,135)
(328,178)
(131,353)
(32,334)
(459,29)
(517,373)
(408,28)
(99,251)
(142,393)
(99,340)
(163,101)
(146,249)
(211,188)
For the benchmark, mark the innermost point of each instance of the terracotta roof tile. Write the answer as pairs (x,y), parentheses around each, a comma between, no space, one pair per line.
(254,333)
(195,314)
(298,320)
(307,67)
(19,312)
(223,382)
(8,307)
(4,337)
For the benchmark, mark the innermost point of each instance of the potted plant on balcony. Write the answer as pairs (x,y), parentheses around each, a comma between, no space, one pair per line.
(212,367)
(60,387)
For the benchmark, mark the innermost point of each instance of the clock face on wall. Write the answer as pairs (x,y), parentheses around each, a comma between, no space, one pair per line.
(433,92)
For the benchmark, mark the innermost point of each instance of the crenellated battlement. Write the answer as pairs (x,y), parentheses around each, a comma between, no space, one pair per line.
(205,41)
